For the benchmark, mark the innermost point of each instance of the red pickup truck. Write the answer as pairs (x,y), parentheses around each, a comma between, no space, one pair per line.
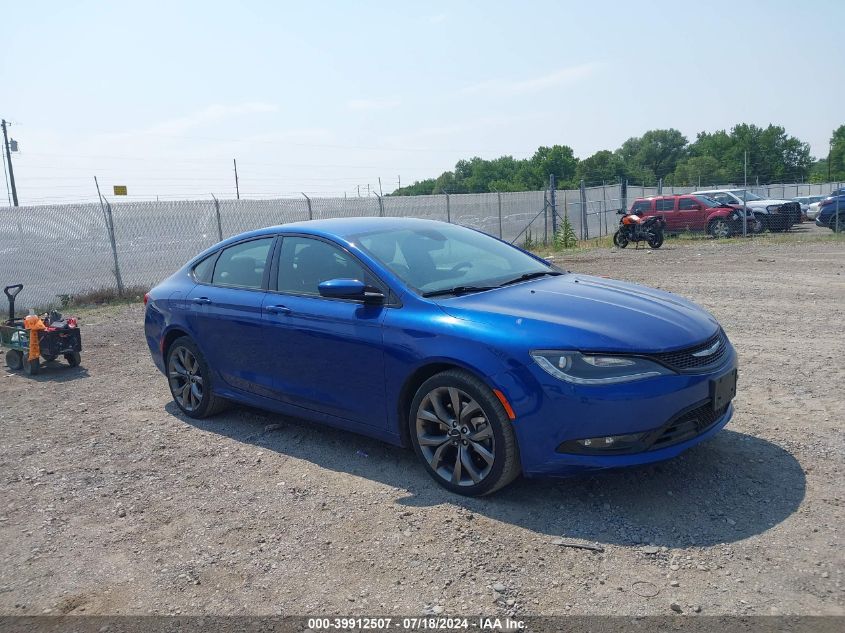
(694,213)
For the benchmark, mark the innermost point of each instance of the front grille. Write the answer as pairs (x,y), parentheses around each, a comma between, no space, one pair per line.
(686,426)
(792,209)
(686,360)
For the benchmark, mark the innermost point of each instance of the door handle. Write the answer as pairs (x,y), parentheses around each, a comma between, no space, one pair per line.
(201,300)
(278,309)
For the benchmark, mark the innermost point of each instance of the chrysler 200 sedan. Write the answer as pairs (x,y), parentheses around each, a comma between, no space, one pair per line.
(489,361)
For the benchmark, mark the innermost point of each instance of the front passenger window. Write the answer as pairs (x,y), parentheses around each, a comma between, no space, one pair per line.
(242,265)
(304,263)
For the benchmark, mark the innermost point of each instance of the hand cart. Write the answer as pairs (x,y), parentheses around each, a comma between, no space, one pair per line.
(53,342)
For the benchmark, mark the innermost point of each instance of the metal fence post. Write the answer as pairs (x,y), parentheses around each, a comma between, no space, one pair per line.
(217,213)
(380,206)
(586,228)
(499,197)
(553,203)
(110,229)
(448,209)
(603,209)
(308,202)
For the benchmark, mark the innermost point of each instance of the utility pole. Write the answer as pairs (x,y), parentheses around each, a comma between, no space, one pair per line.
(380,192)
(237,188)
(9,160)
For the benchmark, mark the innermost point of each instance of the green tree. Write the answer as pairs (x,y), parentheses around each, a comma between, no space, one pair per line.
(558,160)
(655,153)
(837,154)
(603,166)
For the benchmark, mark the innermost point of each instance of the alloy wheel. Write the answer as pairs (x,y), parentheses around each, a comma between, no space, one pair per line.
(186,382)
(720,229)
(455,436)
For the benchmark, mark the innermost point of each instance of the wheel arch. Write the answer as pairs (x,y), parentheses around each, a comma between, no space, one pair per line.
(415,380)
(171,335)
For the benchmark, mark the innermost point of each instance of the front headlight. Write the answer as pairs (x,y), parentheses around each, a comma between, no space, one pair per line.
(596,369)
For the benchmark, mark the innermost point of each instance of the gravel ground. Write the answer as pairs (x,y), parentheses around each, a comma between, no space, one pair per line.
(113,503)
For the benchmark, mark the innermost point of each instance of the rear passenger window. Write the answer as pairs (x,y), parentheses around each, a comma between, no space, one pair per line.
(242,265)
(203,270)
(666,204)
(642,206)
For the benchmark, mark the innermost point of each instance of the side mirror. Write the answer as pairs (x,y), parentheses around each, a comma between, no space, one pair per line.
(621,212)
(350,289)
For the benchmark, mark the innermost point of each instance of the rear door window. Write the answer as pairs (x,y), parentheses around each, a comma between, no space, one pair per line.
(664,204)
(202,271)
(242,265)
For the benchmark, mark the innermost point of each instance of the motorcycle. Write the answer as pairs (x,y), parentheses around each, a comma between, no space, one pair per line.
(633,228)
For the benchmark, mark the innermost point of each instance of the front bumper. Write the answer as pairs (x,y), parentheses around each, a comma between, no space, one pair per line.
(564,412)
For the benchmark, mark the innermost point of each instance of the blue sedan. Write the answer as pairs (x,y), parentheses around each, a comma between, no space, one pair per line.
(487,360)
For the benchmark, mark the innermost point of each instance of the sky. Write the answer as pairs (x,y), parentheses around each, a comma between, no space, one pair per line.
(327,98)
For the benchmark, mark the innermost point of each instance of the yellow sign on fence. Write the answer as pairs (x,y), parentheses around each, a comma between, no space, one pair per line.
(120,190)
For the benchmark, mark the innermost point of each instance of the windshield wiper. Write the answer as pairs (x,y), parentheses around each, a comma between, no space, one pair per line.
(457,290)
(527,276)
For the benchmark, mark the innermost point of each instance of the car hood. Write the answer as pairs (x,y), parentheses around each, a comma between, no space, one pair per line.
(773,201)
(587,313)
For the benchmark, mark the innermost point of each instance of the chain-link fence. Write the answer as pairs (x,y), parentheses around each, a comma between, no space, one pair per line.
(70,249)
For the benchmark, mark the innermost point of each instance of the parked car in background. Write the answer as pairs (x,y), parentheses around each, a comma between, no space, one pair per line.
(776,215)
(487,360)
(805,202)
(829,209)
(694,213)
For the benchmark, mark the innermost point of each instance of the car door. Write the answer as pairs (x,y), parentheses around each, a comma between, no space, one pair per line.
(326,353)
(225,313)
(691,214)
(666,207)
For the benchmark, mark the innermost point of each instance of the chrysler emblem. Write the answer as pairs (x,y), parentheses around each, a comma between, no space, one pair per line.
(709,351)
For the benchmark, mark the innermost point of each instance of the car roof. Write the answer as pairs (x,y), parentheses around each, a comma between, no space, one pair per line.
(341,227)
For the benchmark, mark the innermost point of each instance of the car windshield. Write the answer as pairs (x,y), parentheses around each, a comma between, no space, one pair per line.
(449,259)
(708,202)
(748,195)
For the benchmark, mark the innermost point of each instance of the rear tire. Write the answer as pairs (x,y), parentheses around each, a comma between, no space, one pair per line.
(189,378)
(473,452)
(14,360)
(655,240)
(73,358)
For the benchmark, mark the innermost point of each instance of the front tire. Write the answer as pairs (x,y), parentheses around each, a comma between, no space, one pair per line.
(841,223)
(189,378)
(620,240)
(720,229)
(462,434)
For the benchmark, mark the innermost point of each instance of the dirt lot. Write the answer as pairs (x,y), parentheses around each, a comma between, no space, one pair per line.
(114,503)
